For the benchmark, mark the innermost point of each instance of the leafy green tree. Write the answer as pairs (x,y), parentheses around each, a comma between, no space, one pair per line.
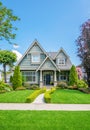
(17,78)
(7,58)
(73,77)
(6,23)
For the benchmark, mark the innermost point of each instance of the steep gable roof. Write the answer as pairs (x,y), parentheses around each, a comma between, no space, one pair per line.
(61,50)
(48,58)
(35,42)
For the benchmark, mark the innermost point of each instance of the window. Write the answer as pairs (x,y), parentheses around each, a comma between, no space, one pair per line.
(61,61)
(29,76)
(35,58)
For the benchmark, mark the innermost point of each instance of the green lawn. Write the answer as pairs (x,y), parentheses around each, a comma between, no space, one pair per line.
(15,96)
(44,120)
(67,96)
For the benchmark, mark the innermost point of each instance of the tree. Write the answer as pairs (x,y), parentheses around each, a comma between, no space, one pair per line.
(7,58)
(6,23)
(17,78)
(83,48)
(73,77)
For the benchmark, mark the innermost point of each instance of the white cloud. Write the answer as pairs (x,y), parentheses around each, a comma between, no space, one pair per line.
(19,55)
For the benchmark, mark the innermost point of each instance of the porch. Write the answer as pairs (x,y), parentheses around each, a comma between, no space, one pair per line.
(48,78)
(52,77)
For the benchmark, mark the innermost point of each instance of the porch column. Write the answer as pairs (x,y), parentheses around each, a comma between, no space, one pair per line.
(41,82)
(55,78)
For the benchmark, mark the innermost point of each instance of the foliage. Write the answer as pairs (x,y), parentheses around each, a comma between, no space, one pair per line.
(83,47)
(81,84)
(6,23)
(44,120)
(20,88)
(31,98)
(34,87)
(4,87)
(73,87)
(47,95)
(61,85)
(23,79)
(73,76)
(11,79)
(17,78)
(31,86)
(7,58)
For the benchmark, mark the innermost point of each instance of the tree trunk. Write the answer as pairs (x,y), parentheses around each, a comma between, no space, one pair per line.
(4,68)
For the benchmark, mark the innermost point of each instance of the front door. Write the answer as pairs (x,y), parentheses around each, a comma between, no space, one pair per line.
(48,79)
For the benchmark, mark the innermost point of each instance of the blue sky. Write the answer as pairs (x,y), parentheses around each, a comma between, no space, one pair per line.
(54,23)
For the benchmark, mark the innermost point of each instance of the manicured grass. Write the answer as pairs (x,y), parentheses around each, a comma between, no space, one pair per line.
(15,96)
(44,120)
(67,96)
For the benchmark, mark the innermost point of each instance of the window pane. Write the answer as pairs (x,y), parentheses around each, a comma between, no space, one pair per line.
(35,58)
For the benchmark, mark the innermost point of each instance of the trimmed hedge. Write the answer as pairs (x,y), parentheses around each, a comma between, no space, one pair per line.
(47,95)
(31,98)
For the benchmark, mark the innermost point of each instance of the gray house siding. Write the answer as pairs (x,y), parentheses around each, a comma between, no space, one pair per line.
(46,68)
(26,63)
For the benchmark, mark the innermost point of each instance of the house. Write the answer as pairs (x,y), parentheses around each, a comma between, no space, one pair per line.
(44,68)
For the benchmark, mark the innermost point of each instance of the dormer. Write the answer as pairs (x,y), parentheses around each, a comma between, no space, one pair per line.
(62,59)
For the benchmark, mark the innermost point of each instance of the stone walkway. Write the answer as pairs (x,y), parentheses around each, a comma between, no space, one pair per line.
(39,99)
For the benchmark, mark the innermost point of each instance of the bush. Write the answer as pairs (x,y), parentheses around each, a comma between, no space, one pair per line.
(34,87)
(11,79)
(17,78)
(27,85)
(4,87)
(47,95)
(62,85)
(73,77)
(31,98)
(20,88)
(81,84)
(73,87)
(31,86)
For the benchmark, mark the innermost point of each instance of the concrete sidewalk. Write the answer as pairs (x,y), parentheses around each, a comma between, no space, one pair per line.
(41,106)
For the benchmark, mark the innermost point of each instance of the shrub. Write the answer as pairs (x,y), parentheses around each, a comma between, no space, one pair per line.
(31,86)
(27,85)
(4,87)
(73,77)
(81,84)
(34,87)
(20,88)
(31,98)
(73,87)
(47,95)
(11,79)
(62,85)
(17,78)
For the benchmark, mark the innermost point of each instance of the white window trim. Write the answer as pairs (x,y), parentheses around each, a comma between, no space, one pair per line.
(32,58)
(63,59)
(30,75)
